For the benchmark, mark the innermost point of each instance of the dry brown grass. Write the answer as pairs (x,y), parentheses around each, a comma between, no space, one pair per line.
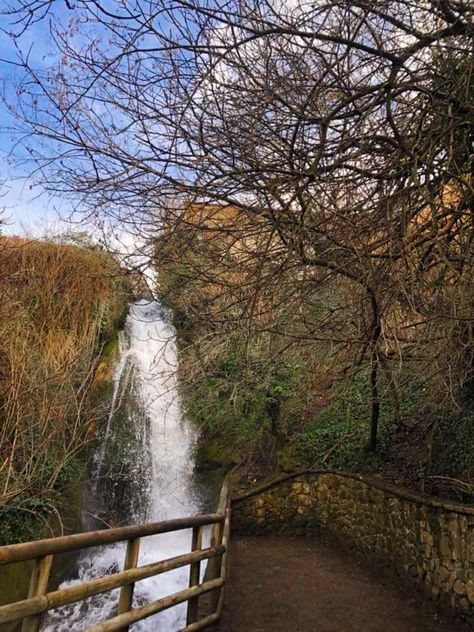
(56,302)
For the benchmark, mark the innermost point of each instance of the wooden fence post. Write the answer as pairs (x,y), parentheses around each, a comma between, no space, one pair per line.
(126,592)
(217,540)
(38,586)
(194,576)
(224,558)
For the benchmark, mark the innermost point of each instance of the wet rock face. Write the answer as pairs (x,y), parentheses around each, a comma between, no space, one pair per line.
(429,546)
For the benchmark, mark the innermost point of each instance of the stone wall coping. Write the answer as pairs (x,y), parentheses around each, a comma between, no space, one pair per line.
(370,481)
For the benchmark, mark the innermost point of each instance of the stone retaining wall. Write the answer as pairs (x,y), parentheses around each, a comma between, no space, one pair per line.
(429,542)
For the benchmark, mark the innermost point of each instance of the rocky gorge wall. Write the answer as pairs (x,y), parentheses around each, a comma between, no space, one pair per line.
(427,541)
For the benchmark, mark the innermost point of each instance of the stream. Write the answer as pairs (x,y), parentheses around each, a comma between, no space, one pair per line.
(143,470)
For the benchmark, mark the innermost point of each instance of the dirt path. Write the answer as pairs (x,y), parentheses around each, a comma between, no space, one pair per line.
(282,584)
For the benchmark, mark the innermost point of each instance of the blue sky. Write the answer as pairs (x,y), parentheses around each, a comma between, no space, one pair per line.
(27,208)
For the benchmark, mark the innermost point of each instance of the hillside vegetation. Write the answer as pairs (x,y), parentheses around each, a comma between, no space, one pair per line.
(60,305)
(288,385)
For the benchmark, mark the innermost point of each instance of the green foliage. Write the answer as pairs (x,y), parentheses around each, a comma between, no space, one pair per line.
(453,452)
(338,432)
(25,519)
(69,473)
(247,399)
(239,394)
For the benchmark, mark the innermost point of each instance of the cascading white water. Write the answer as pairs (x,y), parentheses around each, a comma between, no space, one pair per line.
(162,479)
(122,370)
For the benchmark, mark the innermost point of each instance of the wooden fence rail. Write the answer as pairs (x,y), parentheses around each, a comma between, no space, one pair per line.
(30,610)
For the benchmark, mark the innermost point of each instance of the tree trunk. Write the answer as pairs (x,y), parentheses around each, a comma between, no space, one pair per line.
(374,371)
(374,401)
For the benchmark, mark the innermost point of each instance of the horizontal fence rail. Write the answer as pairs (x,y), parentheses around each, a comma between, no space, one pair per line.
(79,541)
(40,601)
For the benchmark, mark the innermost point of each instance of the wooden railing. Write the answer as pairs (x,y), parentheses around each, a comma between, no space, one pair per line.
(39,600)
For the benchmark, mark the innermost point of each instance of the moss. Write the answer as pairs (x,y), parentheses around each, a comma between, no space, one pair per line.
(289,460)
(111,347)
(213,456)
(125,466)
(14,582)
(102,385)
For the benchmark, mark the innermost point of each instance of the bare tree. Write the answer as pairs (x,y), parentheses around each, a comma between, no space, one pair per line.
(339,132)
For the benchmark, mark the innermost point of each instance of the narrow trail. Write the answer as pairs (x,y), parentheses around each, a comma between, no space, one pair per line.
(283,584)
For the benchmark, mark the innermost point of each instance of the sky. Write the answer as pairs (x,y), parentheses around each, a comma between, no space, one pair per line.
(27,209)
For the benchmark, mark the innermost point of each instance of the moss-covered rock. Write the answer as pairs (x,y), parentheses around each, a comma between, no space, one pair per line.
(288,460)
(213,456)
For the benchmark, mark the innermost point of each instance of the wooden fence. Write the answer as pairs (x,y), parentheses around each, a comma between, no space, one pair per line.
(30,610)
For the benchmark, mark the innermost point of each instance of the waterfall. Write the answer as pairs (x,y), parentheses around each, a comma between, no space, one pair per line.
(143,470)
